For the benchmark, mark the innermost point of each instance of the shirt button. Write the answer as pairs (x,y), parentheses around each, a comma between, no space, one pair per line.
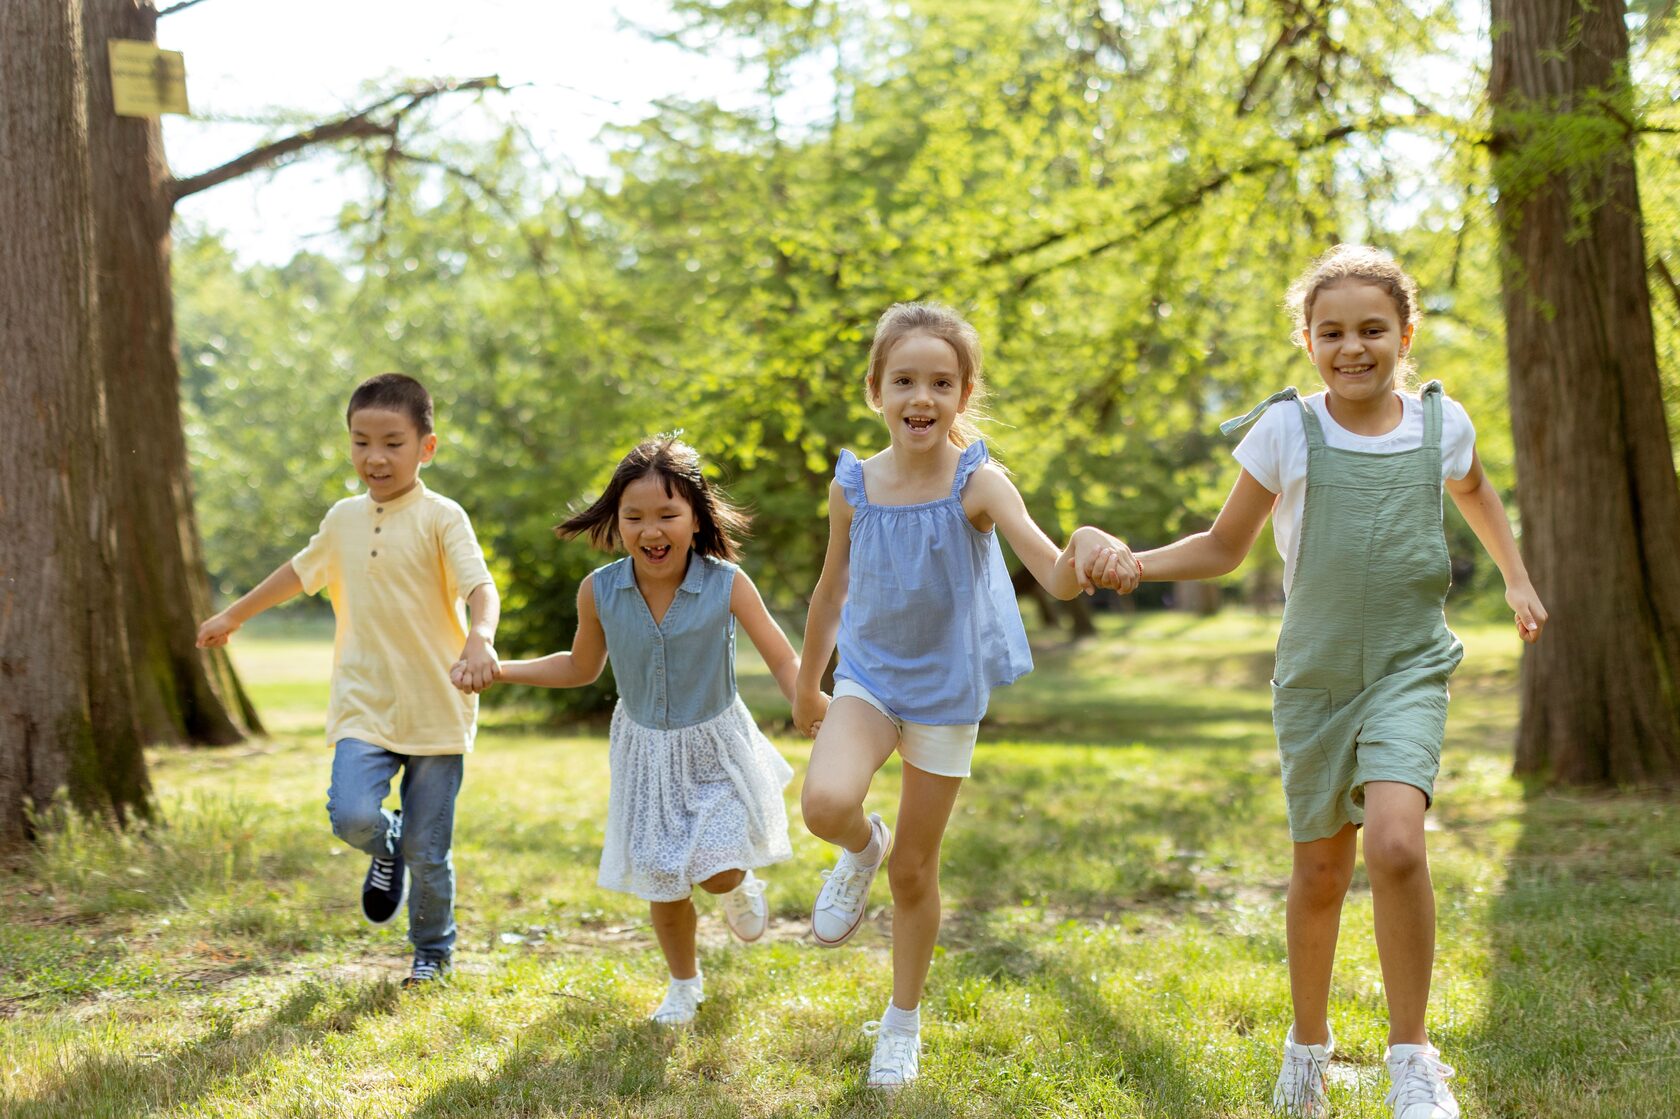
(379,509)
(376,530)
(376,551)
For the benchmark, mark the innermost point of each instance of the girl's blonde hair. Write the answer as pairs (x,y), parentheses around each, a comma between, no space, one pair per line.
(1360,264)
(937,321)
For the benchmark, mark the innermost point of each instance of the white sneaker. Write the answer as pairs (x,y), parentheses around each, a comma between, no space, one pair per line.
(1420,1083)
(745,910)
(898,1057)
(844,897)
(1299,1090)
(682,1001)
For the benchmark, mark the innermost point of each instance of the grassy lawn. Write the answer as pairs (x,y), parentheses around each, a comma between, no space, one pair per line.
(1114,881)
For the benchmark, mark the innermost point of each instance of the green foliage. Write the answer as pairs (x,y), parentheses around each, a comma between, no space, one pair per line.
(1116,194)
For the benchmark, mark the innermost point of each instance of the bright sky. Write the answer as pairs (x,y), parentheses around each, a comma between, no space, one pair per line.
(247,60)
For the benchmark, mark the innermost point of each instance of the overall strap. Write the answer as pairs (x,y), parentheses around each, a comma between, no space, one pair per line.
(1315,434)
(1430,396)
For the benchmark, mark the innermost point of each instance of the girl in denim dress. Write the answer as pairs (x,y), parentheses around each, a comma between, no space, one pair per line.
(696,795)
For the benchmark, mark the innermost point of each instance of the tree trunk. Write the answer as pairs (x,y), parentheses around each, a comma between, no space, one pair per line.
(181,693)
(1596,481)
(65,708)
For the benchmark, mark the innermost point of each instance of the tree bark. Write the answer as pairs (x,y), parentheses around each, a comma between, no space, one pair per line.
(1596,481)
(182,694)
(65,707)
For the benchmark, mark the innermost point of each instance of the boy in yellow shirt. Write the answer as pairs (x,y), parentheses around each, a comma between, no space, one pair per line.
(398,561)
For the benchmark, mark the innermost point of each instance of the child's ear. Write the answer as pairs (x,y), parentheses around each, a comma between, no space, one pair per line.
(1306,340)
(428,447)
(1406,337)
(968,390)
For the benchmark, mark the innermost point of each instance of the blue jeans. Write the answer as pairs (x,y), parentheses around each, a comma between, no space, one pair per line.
(422,830)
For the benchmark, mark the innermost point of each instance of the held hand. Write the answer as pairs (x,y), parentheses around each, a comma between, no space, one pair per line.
(215,632)
(477,669)
(1102,560)
(1530,613)
(808,712)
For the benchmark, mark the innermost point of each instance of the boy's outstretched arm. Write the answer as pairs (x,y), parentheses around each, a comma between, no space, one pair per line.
(579,665)
(282,583)
(477,667)
(1485,514)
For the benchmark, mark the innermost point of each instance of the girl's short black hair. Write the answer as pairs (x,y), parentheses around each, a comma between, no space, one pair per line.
(394,392)
(720,522)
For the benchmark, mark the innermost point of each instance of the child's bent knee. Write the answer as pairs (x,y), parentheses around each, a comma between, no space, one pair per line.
(723,881)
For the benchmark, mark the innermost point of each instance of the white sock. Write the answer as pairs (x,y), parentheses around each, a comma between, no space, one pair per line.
(698,982)
(870,856)
(902,1021)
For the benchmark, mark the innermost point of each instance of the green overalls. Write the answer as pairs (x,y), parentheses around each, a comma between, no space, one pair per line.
(1359,693)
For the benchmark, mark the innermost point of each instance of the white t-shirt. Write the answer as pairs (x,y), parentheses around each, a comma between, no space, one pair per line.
(1275,452)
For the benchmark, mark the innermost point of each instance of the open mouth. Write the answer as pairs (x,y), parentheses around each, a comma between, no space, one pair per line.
(657,553)
(919,424)
(1355,370)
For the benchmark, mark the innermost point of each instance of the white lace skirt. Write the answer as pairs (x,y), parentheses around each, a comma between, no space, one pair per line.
(689,803)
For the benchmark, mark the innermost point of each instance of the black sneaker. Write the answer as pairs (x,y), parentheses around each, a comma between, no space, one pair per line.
(426,969)
(382,890)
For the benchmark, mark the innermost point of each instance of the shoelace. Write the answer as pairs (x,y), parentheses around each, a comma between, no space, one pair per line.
(680,1004)
(1422,1075)
(1302,1082)
(846,880)
(380,877)
(424,970)
(899,1054)
(740,899)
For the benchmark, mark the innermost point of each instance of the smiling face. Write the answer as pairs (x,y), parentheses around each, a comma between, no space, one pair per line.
(657,527)
(1356,340)
(386,448)
(921,391)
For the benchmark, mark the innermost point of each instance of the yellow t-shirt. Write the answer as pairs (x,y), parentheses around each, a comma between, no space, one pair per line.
(399,574)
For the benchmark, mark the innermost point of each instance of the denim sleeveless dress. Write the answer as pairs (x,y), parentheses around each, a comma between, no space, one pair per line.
(930,625)
(1359,692)
(696,788)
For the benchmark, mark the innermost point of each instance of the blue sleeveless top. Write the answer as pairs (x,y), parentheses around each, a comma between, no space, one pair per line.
(681,671)
(930,624)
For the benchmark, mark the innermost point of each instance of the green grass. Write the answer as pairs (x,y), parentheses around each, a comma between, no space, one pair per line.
(1114,879)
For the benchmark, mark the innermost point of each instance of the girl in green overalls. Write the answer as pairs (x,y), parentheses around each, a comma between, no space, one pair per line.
(1352,479)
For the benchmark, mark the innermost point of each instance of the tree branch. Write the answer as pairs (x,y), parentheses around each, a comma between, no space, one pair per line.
(182,6)
(1186,200)
(365,124)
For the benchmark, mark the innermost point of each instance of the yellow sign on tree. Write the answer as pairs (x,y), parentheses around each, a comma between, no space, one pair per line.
(145,81)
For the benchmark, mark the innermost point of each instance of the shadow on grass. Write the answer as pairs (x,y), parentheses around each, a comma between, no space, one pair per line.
(1583,1015)
(150,1083)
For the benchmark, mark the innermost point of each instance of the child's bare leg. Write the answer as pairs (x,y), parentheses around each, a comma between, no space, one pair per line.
(854,741)
(723,881)
(1317,885)
(1403,901)
(673,924)
(924,808)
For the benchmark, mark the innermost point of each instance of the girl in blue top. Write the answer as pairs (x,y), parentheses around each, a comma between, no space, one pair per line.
(915,589)
(696,795)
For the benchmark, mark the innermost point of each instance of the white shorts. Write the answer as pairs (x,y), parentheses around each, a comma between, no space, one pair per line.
(945,751)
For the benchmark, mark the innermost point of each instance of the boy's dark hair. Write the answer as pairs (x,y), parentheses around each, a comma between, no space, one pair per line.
(719,522)
(393,392)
